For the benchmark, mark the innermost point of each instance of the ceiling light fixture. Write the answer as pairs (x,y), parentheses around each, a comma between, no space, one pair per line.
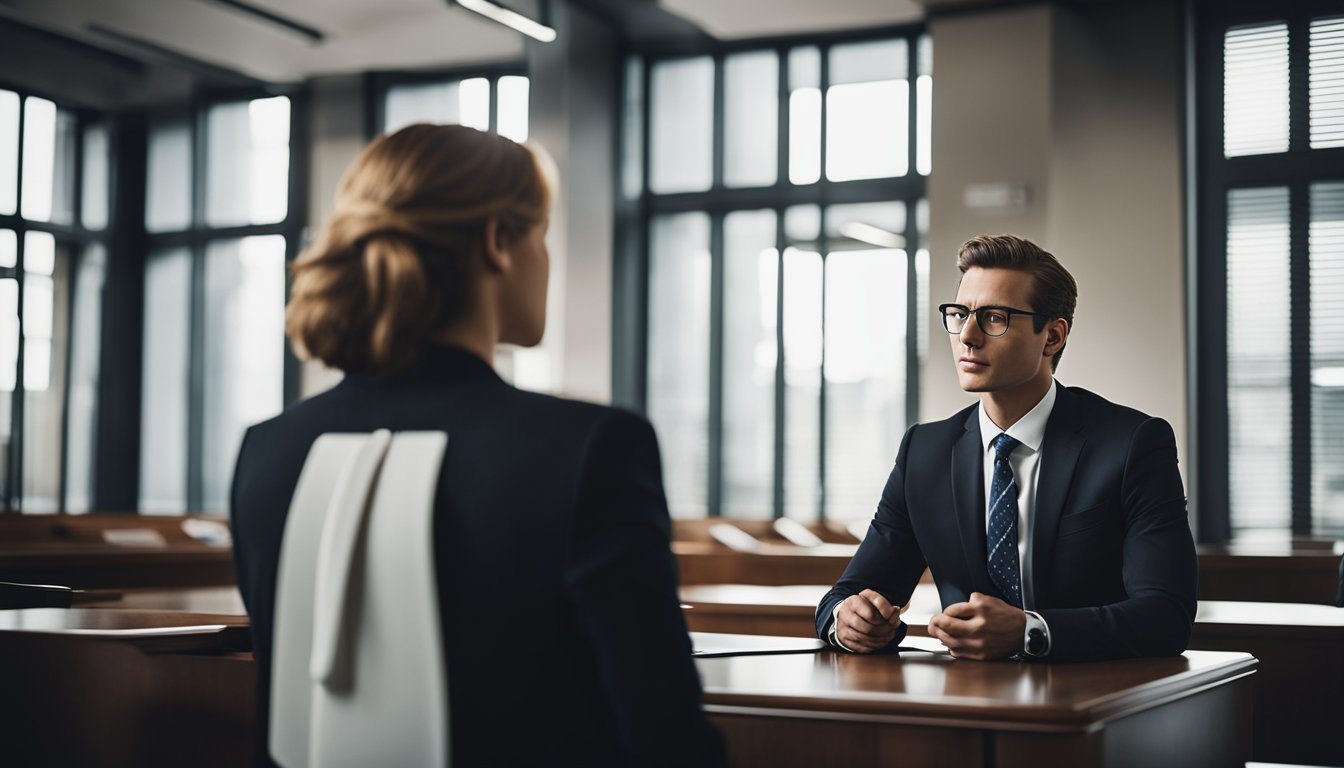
(510,18)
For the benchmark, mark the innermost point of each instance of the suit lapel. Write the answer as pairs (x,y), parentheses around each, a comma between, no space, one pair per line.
(967,488)
(1063,443)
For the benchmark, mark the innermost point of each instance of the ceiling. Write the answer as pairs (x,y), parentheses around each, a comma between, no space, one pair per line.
(358,35)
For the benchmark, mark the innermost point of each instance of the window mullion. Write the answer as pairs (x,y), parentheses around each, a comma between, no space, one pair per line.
(781,391)
(715,449)
(196,332)
(1300,356)
(14,484)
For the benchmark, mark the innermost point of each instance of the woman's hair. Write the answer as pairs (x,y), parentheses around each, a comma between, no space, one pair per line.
(394,265)
(1054,292)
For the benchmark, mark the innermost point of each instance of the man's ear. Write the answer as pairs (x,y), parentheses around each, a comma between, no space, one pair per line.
(1056,336)
(495,249)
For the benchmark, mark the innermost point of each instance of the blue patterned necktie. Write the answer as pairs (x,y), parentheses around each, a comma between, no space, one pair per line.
(1004,569)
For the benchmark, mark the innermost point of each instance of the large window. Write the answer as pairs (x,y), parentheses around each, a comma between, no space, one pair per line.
(220,224)
(777,196)
(490,101)
(53,216)
(1271,323)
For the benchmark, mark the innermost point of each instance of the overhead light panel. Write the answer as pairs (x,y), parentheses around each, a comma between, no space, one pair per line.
(533,28)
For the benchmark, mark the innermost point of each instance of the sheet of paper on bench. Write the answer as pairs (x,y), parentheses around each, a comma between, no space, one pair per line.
(928,644)
(720,644)
(134,537)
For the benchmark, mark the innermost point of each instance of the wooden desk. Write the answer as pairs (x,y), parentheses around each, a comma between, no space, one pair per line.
(834,708)
(1298,704)
(1282,572)
(1296,694)
(71,550)
(701,562)
(1290,570)
(100,699)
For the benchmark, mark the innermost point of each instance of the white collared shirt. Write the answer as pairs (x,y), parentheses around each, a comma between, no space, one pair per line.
(1026,463)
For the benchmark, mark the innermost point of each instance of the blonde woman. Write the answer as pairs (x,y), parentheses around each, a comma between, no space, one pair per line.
(563,637)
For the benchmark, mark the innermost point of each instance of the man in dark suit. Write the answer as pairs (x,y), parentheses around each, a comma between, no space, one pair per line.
(1053,520)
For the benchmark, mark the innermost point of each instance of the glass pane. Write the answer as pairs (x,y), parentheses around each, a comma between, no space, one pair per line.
(39,253)
(9,356)
(9,151)
(247,162)
(682,126)
(1259,401)
(924,108)
(93,207)
(9,345)
(678,383)
(1327,83)
(804,115)
(632,160)
(802,383)
(1255,90)
(922,309)
(751,119)
(9,248)
(868,111)
(862,226)
(163,410)
(865,341)
(46,298)
(512,117)
(86,345)
(420,103)
(244,351)
(474,103)
(41,313)
(1326,248)
(750,283)
(48,162)
(168,177)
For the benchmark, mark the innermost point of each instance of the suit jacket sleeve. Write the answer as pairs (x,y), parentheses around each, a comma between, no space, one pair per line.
(889,560)
(1160,566)
(622,578)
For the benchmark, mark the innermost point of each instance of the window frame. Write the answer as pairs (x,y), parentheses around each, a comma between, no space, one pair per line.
(380,82)
(75,237)
(1215,176)
(634,217)
(197,237)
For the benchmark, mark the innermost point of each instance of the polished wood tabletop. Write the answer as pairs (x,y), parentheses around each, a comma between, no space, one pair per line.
(1003,694)
(150,631)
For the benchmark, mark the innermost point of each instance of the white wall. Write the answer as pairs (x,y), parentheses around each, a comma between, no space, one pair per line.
(1082,105)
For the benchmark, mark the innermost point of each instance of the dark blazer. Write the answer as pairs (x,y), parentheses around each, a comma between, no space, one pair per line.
(565,642)
(1113,561)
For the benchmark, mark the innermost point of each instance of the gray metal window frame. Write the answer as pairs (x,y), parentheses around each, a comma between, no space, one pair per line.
(633,218)
(75,236)
(1216,175)
(382,82)
(198,236)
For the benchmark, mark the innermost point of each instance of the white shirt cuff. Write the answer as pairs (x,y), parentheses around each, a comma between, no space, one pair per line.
(830,632)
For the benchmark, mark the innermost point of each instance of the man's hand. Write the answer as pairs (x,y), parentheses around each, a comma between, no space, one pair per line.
(866,621)
(983,628)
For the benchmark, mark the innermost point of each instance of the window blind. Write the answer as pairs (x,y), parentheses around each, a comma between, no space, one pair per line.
(1258,387)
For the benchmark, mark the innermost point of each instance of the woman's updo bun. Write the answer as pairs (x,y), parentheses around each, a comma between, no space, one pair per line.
(392,267)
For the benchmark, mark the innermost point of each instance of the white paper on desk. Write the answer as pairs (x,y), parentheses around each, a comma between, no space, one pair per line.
(134,537)
(721,644)
(925,644)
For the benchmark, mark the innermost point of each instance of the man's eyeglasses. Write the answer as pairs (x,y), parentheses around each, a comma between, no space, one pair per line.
(993,321)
